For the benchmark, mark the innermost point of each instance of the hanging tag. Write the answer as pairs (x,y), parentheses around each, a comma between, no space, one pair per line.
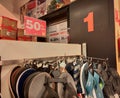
(84,49)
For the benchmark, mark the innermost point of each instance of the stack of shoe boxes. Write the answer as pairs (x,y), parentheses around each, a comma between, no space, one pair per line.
(39,8)
(8,28)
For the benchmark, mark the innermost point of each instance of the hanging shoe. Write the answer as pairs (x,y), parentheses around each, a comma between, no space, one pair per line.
(67,89)
(90,85)
(83,78)
(99,85)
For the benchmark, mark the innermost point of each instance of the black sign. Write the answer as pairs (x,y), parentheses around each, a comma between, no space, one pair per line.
(92,22)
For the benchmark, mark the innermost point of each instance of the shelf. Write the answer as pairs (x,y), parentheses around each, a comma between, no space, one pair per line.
(56,13)
(17,50)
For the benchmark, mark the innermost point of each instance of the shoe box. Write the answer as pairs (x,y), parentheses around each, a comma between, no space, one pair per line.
(8,28)
(7,34)
(22,37)
(34,8)
(8,23)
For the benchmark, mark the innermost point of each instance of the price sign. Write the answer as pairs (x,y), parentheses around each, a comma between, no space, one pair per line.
(34,27)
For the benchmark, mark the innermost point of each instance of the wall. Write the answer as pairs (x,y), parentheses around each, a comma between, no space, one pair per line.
(101,40)
(10,8)
(6,12)
(13,5)
(8,4)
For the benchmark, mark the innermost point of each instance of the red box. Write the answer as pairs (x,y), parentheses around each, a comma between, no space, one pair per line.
(8,23)
(34,38)
(22,37)
(8,34)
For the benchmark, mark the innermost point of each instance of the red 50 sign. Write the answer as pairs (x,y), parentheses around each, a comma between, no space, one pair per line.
(34,27)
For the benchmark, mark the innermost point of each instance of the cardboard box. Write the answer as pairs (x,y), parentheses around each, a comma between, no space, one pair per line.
(28,9)
(42,7)
(22,37)
(34,8)
(56,4)
(8,34)
(8,23)
(34,38)
(66,2)
(37,8)
(20,32)
(58,32)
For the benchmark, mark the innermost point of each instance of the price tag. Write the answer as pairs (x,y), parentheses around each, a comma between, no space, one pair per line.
(34,27)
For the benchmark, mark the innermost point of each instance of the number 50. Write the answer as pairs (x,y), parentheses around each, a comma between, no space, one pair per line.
(32,25)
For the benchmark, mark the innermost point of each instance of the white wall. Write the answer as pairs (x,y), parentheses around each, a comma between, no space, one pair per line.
(8,4)
(13,5)
(10,8)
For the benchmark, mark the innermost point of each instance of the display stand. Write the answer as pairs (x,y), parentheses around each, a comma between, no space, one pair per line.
(19,50)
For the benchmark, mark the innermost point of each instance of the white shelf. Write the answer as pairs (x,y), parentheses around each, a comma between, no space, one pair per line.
(15,50)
